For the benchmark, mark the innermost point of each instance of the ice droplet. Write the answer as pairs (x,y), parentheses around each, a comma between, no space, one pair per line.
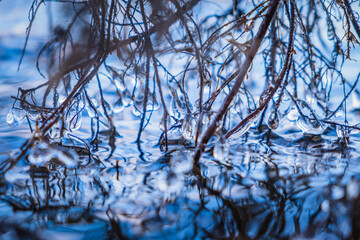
(177,107)
(34,116)
(188,128)
(206,120)
(11,120)
(273,120)
(118,106)
(119,85)
(293,115)
(152,104)
(310,126)
(221,149)
(107,107)
(18,114)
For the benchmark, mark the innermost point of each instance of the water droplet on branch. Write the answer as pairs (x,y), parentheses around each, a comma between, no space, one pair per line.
(311,126)
(118,106)
(273,120)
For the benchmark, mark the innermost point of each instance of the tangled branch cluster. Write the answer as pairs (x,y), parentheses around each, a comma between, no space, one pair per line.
(155,51)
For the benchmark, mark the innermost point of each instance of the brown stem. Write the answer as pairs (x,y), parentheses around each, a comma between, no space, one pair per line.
(269,93)
(352,17)
(259,37)
(162,25)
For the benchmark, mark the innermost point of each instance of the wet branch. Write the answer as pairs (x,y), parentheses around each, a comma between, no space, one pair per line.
(259,37)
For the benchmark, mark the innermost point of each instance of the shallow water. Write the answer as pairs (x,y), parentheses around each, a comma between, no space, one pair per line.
(265,184)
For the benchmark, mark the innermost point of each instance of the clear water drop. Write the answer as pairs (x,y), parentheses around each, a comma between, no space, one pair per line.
(177,104)
(293,115)
(11,120)
(325,206)
(173,110)
(74,116)
(18,114)
(107,107)
(152,104)
(34,115)
(273,120)
(311,126)
(337,192)
(206,120)
(118,106)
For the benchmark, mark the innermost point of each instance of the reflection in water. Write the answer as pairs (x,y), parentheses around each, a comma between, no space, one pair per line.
(264,189)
